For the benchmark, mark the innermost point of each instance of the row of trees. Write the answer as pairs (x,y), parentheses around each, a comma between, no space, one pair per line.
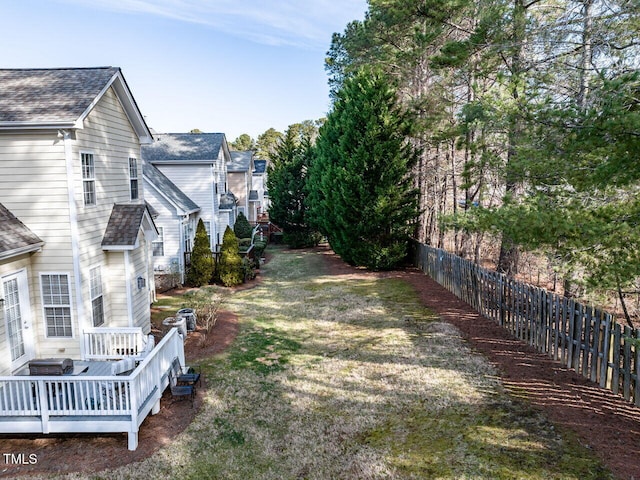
(526,118)
(264,146)
(349,180)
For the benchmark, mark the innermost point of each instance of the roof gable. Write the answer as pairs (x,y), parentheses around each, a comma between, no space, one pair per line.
(125,222)
(168,189)
(185,148)
(62,98)
(15,236)
(240,161)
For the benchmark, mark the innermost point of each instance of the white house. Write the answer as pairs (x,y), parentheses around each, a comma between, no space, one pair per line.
(75,242)
(176,220)
(196,163)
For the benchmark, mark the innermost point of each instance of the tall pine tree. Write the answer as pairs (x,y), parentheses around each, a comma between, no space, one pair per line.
(286,181)
(360,191)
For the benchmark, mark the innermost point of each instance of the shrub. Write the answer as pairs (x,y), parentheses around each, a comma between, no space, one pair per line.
(259,246)
(230,264)
(301,239)
(244,242)
(202,265)
(242,227)
(248,269)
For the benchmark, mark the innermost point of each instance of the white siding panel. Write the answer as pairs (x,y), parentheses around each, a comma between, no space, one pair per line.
(169,221)
(117,294)
(141,296)
(109,136)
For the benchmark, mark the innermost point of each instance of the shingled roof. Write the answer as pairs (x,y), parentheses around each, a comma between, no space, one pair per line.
(124,224)
(168,189)
(228,201)
(260,167)
(184,147)
(15,236)
(61,97)
(50,95)
(240,161)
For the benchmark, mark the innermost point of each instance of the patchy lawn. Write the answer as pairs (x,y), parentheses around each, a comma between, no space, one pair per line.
(336,377)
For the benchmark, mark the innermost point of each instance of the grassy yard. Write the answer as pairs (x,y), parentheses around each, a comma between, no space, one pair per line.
(335,378)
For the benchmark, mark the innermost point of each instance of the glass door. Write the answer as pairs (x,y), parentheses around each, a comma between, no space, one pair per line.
(17,317)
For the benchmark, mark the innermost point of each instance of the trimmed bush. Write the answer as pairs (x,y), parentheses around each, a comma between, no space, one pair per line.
(259,247)
(242,228)
(230,264)
(202,264)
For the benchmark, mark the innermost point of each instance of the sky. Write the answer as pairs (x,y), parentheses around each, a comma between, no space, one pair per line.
(230,66)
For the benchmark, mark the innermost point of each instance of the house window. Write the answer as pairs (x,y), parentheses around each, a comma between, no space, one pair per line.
(88,179)
(97,305)
(133,178)
(158,245)
(186,237)
(56,301)
(207,227)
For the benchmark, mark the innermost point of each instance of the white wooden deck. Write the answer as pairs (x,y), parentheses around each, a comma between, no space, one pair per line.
(92,399)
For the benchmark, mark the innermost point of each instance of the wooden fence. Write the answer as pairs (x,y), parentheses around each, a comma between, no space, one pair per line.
(581,337)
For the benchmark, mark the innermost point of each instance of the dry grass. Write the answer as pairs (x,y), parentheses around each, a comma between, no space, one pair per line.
(334,378)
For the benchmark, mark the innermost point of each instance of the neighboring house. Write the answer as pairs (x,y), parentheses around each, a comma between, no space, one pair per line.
(176,220)
(196,163)
(239,172)
(259,191)
(75,242)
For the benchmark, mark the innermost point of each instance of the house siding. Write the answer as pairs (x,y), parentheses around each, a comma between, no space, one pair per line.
(169,220)
(196,181)
(118,303)
(140,296)
(240,185)
(33,186)
(108,135)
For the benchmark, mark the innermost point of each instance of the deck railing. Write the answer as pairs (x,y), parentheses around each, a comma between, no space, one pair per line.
(81,403)
(113,343)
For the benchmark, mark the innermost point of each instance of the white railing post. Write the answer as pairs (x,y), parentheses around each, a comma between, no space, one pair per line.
(44,405)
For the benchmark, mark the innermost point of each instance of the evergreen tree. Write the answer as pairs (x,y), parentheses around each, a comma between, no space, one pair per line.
(202,265)
(286,182)
(243,142)
(267,142)
(361,196)
(242,228)
(230,264)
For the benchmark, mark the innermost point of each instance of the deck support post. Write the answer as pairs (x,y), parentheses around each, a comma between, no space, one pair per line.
(132,438)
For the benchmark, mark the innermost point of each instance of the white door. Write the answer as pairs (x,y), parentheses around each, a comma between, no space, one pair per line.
(17,318)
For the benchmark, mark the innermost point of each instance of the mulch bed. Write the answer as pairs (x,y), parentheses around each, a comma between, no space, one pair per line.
(601,420)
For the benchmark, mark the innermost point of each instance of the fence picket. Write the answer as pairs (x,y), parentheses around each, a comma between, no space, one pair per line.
(580,337)
(626,364)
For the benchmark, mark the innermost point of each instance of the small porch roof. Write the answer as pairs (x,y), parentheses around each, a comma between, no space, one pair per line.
(125,222)
(15,237)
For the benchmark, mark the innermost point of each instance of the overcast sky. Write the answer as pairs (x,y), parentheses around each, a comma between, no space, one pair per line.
(231,66)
